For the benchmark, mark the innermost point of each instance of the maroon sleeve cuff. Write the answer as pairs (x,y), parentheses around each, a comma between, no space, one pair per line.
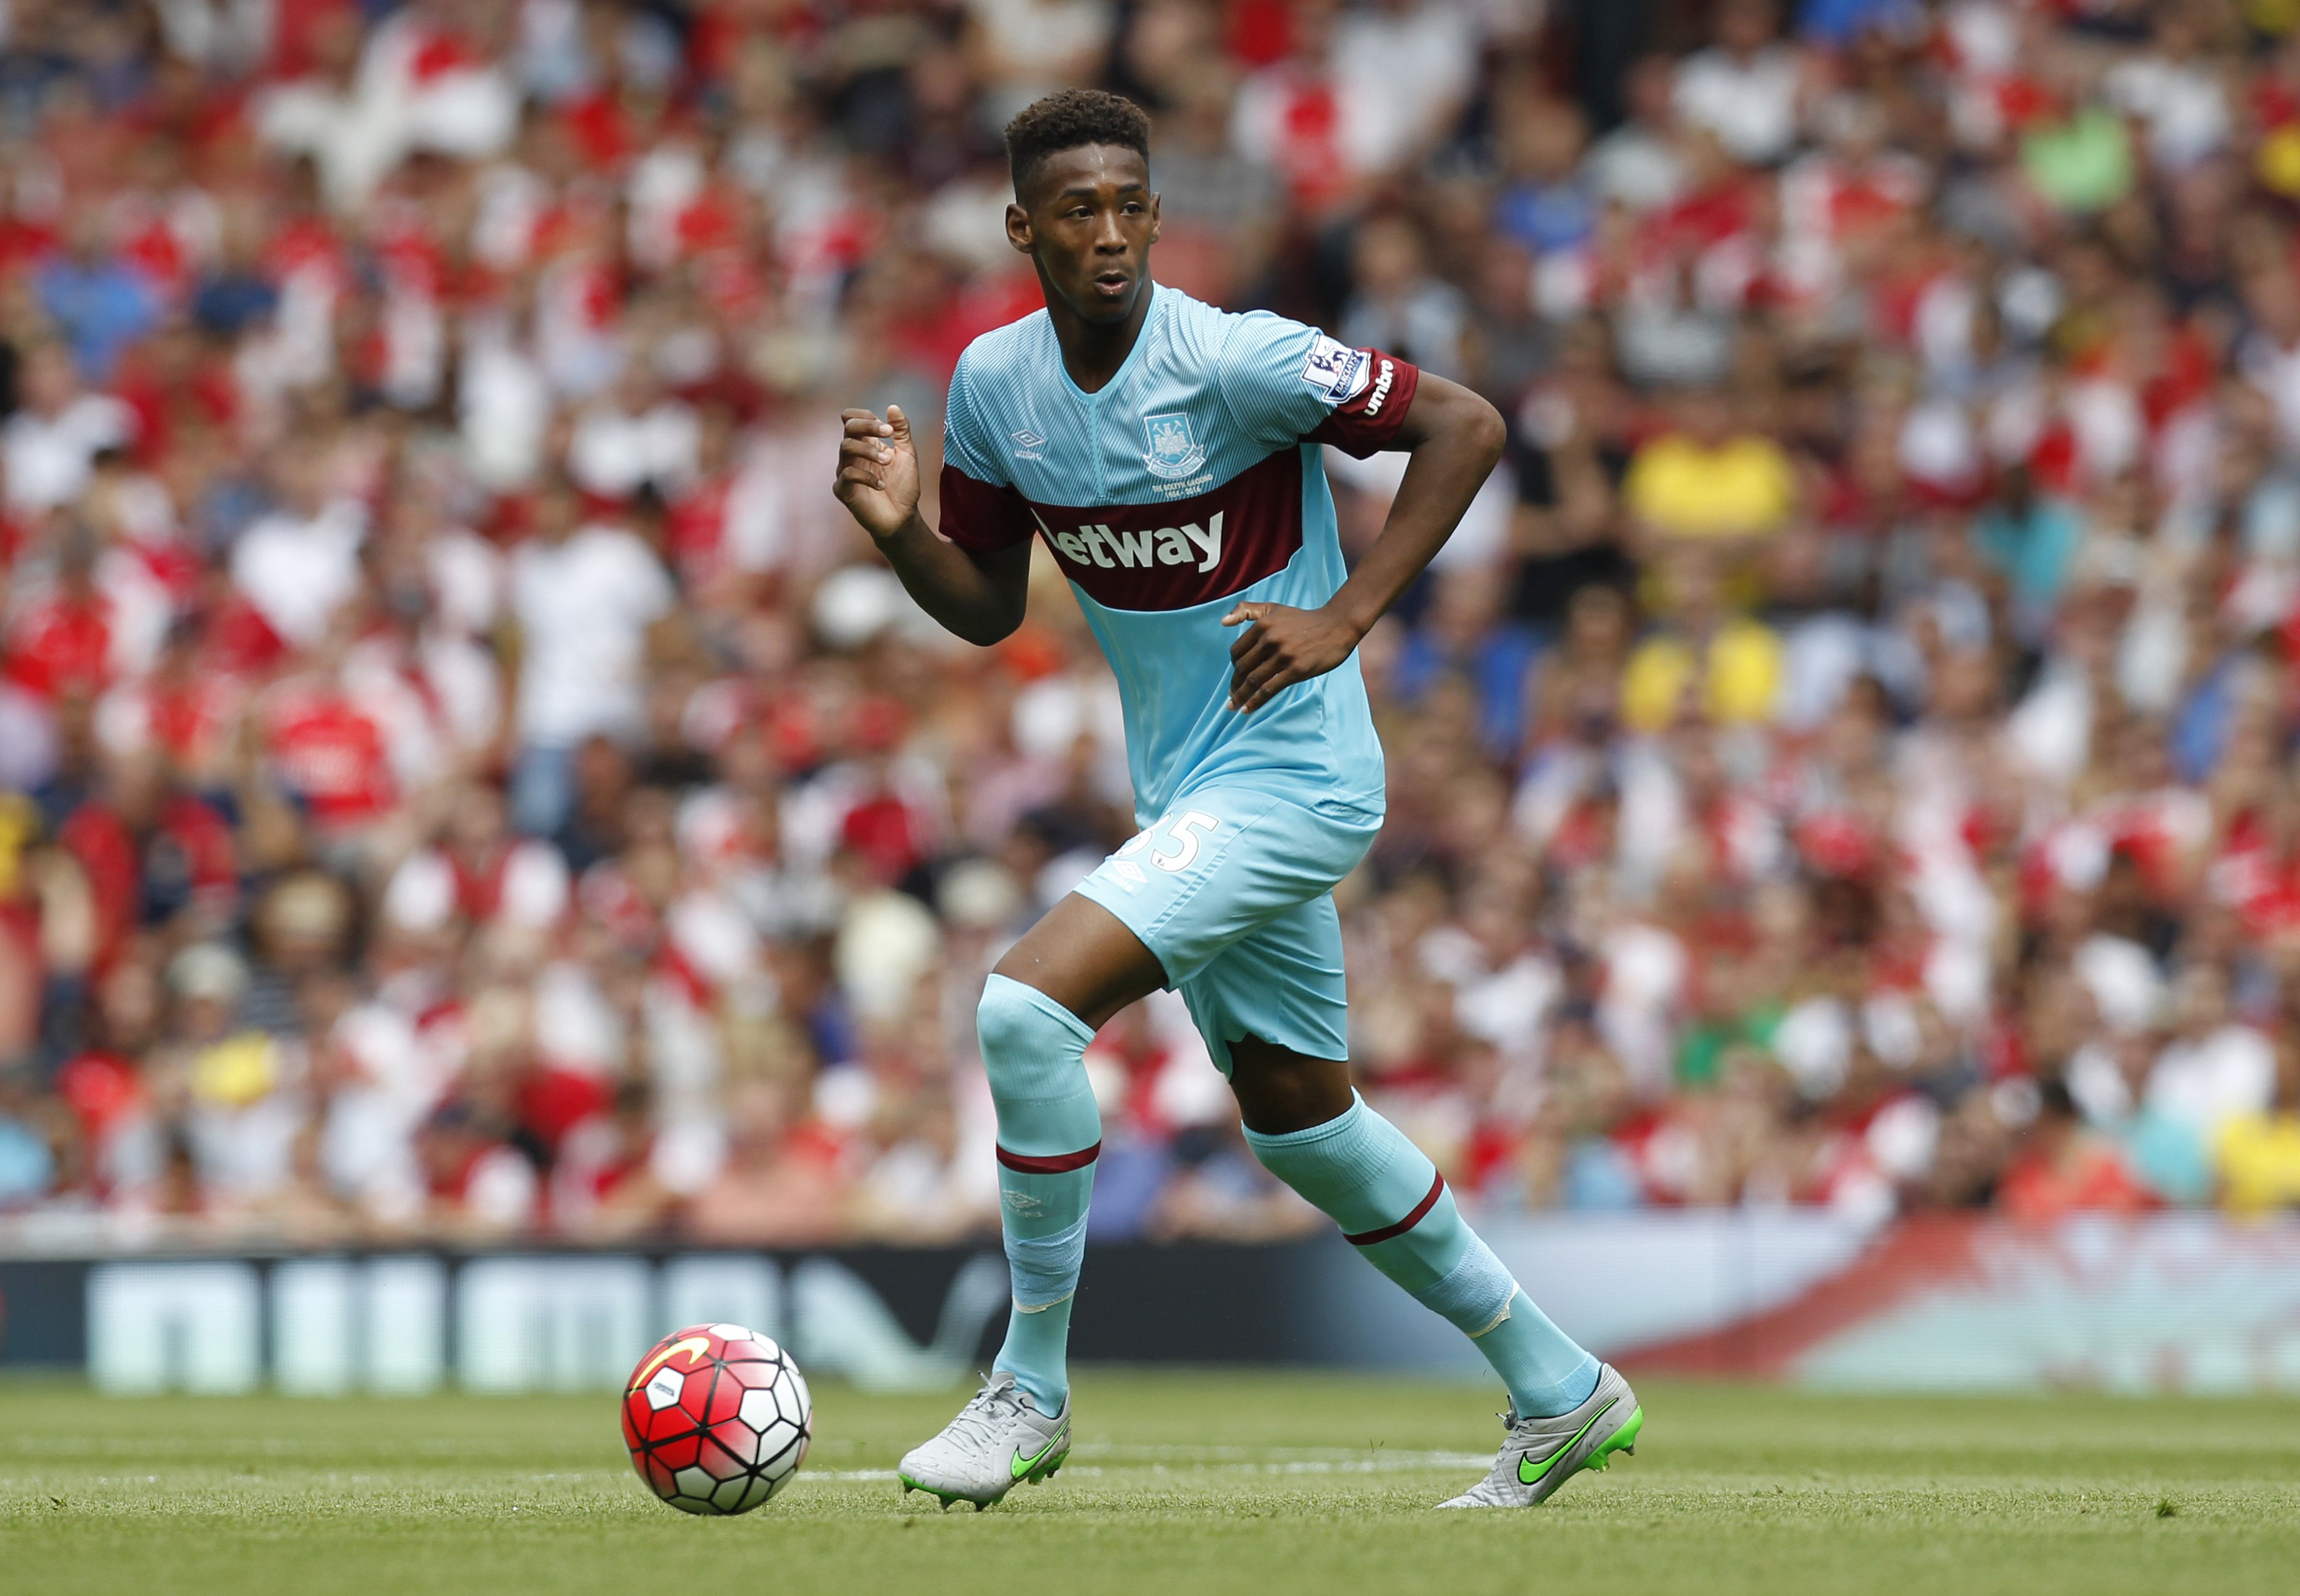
(977,516)
(1367,422)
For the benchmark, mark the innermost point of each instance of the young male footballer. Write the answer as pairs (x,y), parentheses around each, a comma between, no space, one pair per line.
(1167,454)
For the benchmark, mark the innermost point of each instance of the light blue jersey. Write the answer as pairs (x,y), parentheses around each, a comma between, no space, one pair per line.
(1192,480)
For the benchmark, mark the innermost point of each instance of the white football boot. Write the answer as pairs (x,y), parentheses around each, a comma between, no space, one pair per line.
(1538,1455)
(998,1439)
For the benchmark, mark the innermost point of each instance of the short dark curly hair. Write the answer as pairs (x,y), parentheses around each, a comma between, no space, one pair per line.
(1069,120)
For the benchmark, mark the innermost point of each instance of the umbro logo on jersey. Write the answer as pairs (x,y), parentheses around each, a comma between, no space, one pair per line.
(1028,444)
(1190,543)
(1380,389)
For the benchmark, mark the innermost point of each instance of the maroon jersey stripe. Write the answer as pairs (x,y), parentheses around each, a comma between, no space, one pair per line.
(1367,1238)
(976,515)
(1185,552)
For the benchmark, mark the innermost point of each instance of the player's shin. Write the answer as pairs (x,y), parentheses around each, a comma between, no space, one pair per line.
(1044,1219)
(1049,1133)
(1392,1204)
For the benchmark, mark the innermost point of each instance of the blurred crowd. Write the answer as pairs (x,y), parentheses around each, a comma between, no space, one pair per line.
(462,774)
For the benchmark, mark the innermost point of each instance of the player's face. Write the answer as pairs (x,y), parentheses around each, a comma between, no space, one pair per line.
(1090,219)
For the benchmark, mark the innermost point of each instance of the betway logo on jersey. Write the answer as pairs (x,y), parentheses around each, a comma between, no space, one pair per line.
(1189,552)
(1095,544)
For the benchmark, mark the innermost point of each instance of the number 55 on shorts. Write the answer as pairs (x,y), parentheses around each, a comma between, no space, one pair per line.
(1174,840)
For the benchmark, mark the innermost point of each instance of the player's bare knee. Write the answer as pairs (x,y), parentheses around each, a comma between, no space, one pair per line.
(1279,1091)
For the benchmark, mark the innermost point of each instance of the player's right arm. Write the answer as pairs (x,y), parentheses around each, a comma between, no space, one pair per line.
(976,593)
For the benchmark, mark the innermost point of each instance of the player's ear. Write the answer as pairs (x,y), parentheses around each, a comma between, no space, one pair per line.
(1018,228)
(1153,218)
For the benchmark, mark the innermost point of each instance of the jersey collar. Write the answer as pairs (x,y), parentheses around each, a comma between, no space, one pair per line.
(1125,366)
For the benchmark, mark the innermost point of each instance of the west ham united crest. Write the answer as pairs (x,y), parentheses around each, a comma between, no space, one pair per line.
(1174,448)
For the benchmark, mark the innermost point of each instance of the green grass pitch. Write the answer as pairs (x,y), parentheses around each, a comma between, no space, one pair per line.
(1243,1482)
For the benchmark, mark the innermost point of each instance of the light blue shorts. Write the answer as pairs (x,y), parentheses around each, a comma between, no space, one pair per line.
(1233,889)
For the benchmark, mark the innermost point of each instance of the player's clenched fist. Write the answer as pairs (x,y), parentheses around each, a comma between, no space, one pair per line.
(1281,645)
(878,469)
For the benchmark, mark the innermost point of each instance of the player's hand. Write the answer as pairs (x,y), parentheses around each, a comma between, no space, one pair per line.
(878,469)
(1281,645)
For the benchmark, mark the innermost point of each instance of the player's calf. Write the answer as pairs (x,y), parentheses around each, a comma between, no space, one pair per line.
(1049,1135)
(1395,1208)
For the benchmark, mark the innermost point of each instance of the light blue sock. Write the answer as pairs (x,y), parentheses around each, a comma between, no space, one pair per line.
(1049,1135)
(1395,1208)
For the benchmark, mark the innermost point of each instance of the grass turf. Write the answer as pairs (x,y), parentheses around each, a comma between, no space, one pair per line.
(1243,1482)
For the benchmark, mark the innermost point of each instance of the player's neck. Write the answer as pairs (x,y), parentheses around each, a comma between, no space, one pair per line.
(1093,350)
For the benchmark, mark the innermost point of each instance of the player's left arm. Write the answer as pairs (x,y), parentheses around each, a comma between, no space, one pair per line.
(1455,439)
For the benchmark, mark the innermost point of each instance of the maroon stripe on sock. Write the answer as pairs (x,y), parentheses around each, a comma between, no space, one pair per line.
(1367,1238)
(1061,1164)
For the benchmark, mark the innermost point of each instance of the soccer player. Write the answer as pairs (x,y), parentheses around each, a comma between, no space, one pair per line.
(1168,455)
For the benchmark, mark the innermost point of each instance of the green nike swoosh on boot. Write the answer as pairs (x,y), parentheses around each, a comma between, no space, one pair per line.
(1022,1465)
(1528,1475)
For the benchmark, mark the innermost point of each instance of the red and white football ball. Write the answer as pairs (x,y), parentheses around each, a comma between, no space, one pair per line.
(717,1417)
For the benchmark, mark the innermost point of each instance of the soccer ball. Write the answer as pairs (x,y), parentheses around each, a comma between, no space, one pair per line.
(717,1418)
